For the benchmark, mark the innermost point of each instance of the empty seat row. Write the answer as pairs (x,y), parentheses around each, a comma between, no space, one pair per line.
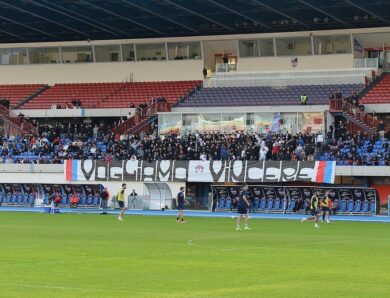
(380,93)
(17,198)
(261,95)
(16,93)
(106,95)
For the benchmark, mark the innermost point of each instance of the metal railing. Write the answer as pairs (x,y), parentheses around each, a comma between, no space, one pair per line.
(141,118)
(288,78)
(225,67)
(340,105)
(366,63)
(18,123)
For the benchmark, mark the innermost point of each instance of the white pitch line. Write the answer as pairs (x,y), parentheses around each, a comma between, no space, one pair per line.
(190,242)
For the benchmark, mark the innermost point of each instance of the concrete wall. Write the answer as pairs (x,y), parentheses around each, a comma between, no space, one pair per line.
(102,72)
(339,61)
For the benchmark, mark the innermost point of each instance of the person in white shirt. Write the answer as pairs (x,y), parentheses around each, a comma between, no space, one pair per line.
(263,153)
(243,154)
(203,156)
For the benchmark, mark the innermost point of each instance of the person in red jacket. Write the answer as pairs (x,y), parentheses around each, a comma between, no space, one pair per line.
(74,201)
(57,200)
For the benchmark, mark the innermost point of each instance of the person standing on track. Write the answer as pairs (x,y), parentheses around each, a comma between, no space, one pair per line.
(243,208)
(315,214)
(121,201)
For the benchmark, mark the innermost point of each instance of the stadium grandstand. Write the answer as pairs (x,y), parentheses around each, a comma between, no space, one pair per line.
(270,109)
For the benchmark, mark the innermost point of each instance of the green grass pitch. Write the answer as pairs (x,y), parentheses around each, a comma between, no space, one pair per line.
(74,255)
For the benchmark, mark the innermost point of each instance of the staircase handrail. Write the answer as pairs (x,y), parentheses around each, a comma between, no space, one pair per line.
(22,124)
(341,105)
(150,110)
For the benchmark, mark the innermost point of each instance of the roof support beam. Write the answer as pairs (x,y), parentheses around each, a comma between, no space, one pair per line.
(261,3)
(140,4)
(358,6)
(312,6)
(43,18)
(239,13)
(121,17)
(200,15)
(27,26)
(61,10)
(12,34)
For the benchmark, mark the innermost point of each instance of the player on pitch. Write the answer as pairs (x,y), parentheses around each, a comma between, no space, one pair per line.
(326,205)
(243,208)
(121,201)
(315,214)
(180,205)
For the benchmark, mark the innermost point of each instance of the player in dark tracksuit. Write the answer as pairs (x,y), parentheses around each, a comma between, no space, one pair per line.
(326,202)
(180,205)
(243,207)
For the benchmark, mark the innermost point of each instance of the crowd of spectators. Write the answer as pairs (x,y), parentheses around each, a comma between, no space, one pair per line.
(55,143)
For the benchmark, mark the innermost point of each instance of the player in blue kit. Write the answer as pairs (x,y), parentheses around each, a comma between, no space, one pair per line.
(243,207)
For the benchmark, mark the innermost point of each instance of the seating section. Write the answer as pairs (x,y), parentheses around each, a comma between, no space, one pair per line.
(110,95)
(16,93)
(87,201)
(143,91)
(29,195)
(251,96)
(370,153)
(380,93)
(17,199)
(88,93)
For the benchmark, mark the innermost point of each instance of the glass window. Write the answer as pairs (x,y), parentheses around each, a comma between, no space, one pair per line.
(312,122)
(111,53)
(44,55)
(170,124)
(248,48)
(262,123)
(77,54)
(293,46)
(266,47)
(151,52)
(190,123)
(184,50)
(13,56)
(324,45)
(128,52)
(209,123)
(288,123)
(233,123)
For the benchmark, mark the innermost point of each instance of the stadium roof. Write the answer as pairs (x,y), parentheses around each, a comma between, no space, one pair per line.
(65,20)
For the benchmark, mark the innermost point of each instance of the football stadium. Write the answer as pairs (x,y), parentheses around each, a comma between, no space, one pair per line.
(194,148)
